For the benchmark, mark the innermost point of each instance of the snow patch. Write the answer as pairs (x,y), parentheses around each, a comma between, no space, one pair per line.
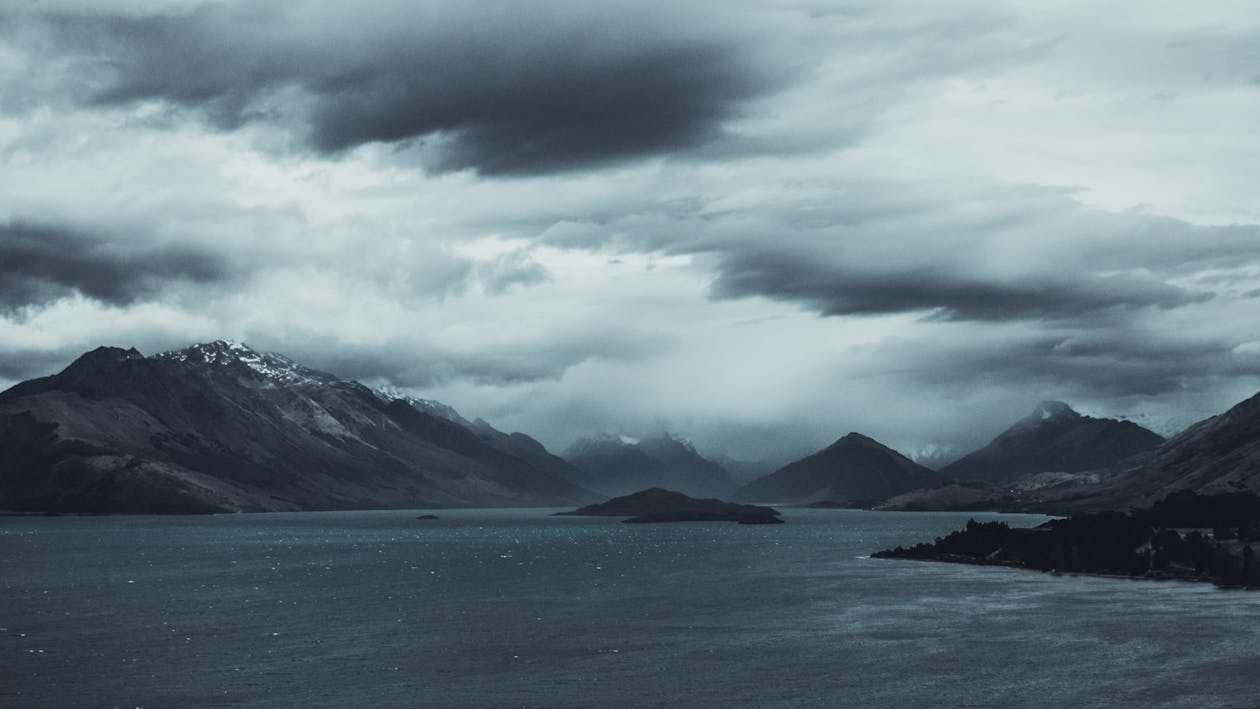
(276,368)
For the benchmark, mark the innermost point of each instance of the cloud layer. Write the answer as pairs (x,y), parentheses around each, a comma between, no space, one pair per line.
(498,88)
(43,263)
(761,224)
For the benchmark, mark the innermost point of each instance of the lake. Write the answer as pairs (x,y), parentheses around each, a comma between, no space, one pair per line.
(515,608)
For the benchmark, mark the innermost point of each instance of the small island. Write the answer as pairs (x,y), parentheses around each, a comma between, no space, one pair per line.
(1185,536)
(661,505)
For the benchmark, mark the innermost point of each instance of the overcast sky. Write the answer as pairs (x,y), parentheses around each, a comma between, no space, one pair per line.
(760,225)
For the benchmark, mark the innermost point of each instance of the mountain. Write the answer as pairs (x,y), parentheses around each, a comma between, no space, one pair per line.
(617,465)
(221,427)
(517,444)
(1217,455)
(1054,438)
(854,468)
(743,472)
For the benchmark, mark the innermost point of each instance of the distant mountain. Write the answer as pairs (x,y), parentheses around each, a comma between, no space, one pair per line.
(854,468)
(743,472)
(617,465)
(1218,455)
(221,427)
(1054,438)
(935,457)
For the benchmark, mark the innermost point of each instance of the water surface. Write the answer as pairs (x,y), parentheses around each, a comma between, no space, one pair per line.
(487,608)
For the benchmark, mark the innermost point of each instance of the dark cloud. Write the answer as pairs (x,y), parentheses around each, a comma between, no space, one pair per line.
(502,89)
(835,289)
(1106,364)
(40,263)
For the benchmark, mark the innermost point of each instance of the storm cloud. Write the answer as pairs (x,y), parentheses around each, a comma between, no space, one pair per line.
(523,89)
(833,289)
(41,263)
(755,223)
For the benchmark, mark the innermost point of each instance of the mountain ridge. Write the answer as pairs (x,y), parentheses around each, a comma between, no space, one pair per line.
(222,427)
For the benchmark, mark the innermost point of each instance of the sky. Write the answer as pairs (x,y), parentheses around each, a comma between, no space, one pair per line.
(756,224)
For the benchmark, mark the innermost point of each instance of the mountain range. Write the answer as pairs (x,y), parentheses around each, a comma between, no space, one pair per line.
(1216,455)
(220,427)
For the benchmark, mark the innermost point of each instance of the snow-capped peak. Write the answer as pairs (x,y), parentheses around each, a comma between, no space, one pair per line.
(275,367)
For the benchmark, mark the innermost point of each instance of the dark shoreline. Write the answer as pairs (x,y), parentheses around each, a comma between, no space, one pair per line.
(1185,537)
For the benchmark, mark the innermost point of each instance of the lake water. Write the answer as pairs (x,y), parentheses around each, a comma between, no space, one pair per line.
(490,608)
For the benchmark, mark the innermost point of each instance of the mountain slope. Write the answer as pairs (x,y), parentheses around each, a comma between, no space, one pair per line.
(617,466)
(1216,455)
(1054,438)
(516,444)
(854,468)
(220,427)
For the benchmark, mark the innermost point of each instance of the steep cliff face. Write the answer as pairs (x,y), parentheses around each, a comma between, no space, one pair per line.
(853,468)
(220,427)
(1054,438)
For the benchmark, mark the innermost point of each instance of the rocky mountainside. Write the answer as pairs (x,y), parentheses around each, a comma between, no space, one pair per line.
(853,469)
(1054,438)
(615,465)
(221,427)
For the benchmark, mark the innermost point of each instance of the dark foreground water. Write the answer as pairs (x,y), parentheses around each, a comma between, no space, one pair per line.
(488,608)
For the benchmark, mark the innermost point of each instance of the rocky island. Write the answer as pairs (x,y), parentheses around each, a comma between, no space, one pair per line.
(661,505)
(1185,536)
